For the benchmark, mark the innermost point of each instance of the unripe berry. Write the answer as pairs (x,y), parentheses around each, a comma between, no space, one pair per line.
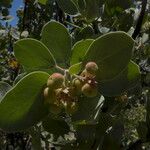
(91,67)
(77,84)
(89,91)
(55,80)
(46,92)
(49,96)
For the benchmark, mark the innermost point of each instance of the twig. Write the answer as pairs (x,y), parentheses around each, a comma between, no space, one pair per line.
(60,69)
(95,27)
(60,14)
(24,15)
(73,25)
(140,20)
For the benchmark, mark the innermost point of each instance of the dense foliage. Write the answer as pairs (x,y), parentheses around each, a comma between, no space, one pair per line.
(75,74)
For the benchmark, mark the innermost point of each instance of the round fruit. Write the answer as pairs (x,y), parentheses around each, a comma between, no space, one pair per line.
(49,96)
(91,67)
(55,80)
(50,83)
(77,84)
(89,91)
(46,95)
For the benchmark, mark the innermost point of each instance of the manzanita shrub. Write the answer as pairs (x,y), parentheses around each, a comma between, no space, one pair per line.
(74,81)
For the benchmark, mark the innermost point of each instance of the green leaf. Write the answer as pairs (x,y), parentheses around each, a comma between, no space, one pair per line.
(23,106)
(125,21)
(85,33)
(4,87)
(85,135)
(92,9)
(88,108)
(79,50)
(117,130)
(82,6)
(68,6)
(105,121)
(126,80)
(56,127)
(33,55)
(56,37)
(42,1)
(112,106)
(112,53)
(19,77)
(112,7)
(75,69)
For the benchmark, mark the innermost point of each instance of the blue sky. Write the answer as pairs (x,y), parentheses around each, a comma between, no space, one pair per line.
(15,5)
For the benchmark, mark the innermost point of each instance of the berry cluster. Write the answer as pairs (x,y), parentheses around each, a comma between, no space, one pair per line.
(89,87)
(61,95)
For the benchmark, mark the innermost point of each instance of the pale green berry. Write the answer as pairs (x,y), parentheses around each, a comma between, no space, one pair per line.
(91,67)
(89,91)
(55,81)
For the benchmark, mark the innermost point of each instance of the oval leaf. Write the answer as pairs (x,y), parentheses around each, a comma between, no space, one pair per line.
(19,77)
(79,50)
(126,80)
(56,127)
(33,55)
(86,135)
(114,7)
(92,9)
(23,106)
(85,33)
(68,6)
(88,108)
(56,37)
(112,53)
(75,69)
(82,6)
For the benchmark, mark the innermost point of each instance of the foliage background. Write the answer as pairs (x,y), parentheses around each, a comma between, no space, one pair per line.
(115,16)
